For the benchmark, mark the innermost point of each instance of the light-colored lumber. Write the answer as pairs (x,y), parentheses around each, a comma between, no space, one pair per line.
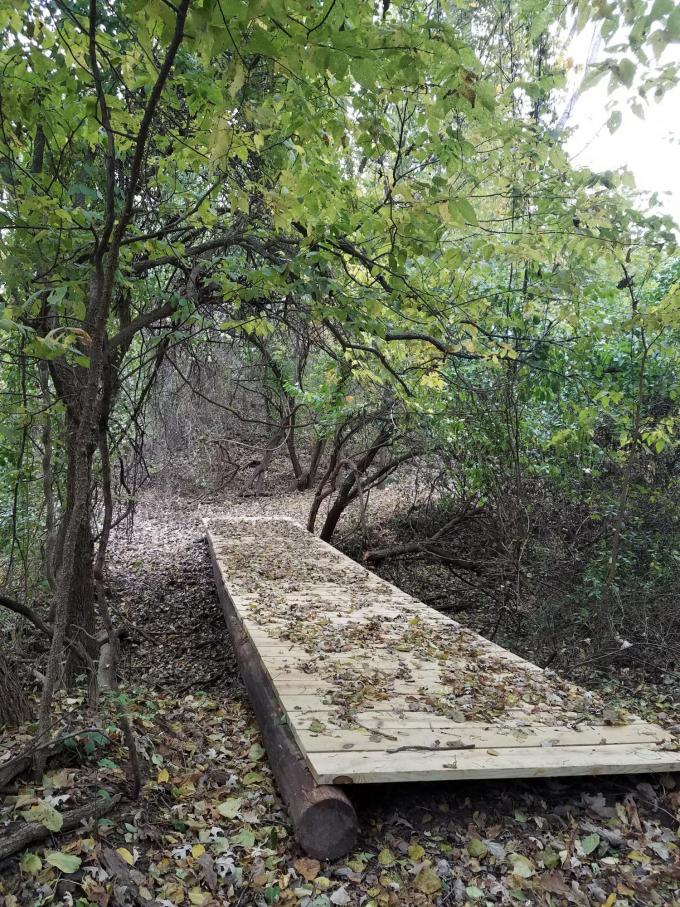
(468,765)
(375,686)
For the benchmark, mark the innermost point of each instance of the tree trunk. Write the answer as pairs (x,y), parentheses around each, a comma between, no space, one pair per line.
(340,504)
(14,708)
(308,476)
(80,631)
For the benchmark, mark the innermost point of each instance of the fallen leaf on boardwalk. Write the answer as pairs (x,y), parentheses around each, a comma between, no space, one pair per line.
(307,868)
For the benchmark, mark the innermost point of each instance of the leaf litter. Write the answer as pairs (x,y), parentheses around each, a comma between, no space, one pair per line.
(210,829)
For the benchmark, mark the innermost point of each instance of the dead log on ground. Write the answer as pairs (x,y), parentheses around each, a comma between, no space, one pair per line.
(15,841)
(324,820)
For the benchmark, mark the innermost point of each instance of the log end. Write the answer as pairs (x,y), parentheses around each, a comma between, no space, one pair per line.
(327,826)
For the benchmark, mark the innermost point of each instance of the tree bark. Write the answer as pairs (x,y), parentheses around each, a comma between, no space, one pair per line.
(30,832)
(14,707)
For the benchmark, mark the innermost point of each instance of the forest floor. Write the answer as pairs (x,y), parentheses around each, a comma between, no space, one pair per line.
(209,828)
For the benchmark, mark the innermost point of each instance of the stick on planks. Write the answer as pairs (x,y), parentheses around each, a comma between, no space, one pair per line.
(378,687)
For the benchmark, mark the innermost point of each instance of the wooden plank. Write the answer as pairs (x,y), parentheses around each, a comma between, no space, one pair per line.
(315,736)
(519,762)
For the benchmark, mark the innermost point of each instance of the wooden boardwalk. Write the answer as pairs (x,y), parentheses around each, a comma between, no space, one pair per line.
(376,686)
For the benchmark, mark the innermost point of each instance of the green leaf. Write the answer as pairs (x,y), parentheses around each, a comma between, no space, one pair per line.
(522,866)
(625,71)
(672,29)
(229,808)
(386,857)
(477,848)
(244,838)
(416,852)
(590,844)
(614,121)
(45,814)
(65,862)
(31,863)
(256,752)
(252,778)
(462,212)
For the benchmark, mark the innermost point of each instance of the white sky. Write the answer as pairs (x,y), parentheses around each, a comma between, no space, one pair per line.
(649,148)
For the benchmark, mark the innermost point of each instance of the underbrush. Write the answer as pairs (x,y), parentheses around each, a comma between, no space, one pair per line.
(533,576)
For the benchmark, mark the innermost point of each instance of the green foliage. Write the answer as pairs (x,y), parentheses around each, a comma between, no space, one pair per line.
(387,185)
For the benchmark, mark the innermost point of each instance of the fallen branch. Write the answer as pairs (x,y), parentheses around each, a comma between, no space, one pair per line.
(18,608)
(30,832)
(21,763)
(429,545)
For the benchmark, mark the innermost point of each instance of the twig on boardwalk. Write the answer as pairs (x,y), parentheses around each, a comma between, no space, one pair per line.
(433,749)
(373,730)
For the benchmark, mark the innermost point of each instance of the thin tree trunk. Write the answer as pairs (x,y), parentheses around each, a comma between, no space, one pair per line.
(80,628)
(14,707)
(48,478)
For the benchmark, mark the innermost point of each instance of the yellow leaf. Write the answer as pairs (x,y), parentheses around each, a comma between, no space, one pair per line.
(427,881)
(198,897)
(126,855)
(386,857)
(163,776)
(197,851)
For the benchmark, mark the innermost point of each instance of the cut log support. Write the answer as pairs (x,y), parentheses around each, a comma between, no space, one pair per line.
(323,817)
